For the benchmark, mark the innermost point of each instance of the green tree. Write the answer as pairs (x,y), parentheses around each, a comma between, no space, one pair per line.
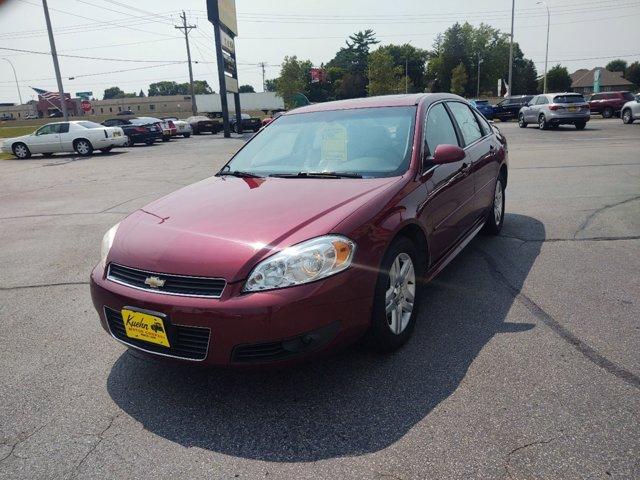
(246,89)
(617,65)
(384,75)
(141,94)
(270,85)
(413,60)
(459,79)
(558,79)
(163,88)
(294,77)
(352,61)
(113,92)
(633,74)
(525,77)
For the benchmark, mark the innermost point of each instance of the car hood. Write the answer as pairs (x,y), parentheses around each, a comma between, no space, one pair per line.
(14,139)
(223,226)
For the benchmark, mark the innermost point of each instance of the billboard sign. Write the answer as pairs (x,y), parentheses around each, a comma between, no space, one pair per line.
(227,14)
(228,45)
(229,64)
(232,85)
(596,80)
(84,95)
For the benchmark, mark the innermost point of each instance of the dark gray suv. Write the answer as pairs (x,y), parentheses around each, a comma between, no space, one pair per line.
(555,109)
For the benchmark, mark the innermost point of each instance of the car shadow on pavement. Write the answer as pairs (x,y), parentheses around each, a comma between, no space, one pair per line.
(352,403)
(67,156)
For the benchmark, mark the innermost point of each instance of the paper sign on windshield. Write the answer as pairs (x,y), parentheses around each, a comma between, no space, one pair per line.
(333,148)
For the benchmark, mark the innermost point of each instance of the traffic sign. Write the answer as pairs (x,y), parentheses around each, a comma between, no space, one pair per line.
(85,105)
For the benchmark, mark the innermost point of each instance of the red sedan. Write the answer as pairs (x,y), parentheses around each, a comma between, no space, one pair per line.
(323,228)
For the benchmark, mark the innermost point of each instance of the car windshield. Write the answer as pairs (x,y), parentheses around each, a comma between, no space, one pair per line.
(369,142)
(143,121)
(568,99)
(87,124)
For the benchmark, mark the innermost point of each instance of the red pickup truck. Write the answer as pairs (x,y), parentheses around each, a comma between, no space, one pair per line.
(609,103)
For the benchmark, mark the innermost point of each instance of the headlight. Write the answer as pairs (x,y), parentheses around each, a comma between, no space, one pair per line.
(302,263)
(107,241)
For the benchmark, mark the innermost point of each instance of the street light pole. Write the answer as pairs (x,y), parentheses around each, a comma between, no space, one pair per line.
(513,9)
(16,77)
(546,55)
(56,67)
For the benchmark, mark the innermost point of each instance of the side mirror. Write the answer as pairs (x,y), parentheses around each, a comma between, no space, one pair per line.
(447,154)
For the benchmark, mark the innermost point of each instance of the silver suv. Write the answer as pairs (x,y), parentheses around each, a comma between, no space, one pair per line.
(631,110)
(554,109)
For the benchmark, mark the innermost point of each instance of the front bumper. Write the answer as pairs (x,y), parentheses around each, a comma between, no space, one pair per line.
(6,149)
(305,321)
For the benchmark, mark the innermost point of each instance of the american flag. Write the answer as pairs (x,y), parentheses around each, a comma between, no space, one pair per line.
(47,95)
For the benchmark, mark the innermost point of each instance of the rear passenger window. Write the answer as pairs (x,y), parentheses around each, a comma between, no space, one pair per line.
(439,129)
(63,127)
(466,121)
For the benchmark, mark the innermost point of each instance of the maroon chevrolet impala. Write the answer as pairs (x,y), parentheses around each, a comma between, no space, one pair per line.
(322,229)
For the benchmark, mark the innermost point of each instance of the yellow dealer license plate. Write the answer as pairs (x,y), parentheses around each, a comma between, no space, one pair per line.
(143,326)
(573,109)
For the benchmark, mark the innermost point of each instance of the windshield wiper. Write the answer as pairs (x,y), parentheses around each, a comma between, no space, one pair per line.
(317,175)
(238,173)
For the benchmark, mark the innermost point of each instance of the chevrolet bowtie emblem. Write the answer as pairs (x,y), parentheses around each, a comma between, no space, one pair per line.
(154,282)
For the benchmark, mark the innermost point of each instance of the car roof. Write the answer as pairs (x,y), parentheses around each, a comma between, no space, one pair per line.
(403,100)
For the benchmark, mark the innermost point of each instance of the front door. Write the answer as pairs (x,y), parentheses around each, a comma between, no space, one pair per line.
(45,140)
(448,188)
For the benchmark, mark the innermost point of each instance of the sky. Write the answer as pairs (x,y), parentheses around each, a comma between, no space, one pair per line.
(584,34)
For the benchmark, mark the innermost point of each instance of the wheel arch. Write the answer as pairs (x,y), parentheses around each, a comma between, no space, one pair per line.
(414,233)
(76,140)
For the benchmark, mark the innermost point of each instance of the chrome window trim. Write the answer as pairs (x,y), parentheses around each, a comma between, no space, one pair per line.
(154,290)
(104,312)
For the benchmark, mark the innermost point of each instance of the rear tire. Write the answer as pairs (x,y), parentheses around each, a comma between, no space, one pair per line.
(542,122)
(607,112)
(627,117)
(165,138)
(149,142)
(83,147)
(106,150)
(21,151)
(581,125)
(396,298)
(236,129)
(521,122)
(186,135)
(495,216)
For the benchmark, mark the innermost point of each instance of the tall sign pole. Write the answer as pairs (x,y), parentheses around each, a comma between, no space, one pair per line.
(54,55)
(222,14)
(187,28)
(513,9)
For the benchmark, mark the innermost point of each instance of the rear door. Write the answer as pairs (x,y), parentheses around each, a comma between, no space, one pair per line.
(449,187)
(66,137)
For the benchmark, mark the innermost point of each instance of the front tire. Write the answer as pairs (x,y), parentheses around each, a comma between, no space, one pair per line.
(495,217)
(521,122)
(607,112)
(21,151)
(396,299)
(542,122)
(580,125)
(186,135)
(627,117)
(83,147)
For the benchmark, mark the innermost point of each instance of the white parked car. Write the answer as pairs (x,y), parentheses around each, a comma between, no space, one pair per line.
(631,110)
(78,136)
(183,127)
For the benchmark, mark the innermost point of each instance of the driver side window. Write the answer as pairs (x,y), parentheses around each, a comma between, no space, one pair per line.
(438,129)
(46,130)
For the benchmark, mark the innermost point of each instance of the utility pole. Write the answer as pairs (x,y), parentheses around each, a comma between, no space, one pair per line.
(546,55)
(187,28)
(262,65)
(15,75)
(54,55)
(478,88)
(513,9)
(406,74)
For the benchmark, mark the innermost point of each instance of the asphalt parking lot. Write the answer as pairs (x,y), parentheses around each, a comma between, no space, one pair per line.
(524,364)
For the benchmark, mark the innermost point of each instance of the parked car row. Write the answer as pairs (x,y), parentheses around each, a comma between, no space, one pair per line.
(84,137)
(608,104)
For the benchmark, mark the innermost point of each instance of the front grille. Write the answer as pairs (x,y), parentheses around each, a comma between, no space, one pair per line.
(190,343)
(173,284)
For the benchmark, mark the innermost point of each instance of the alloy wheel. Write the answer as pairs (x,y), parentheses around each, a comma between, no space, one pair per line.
(20,151)
(626,116)
(400,296)
(498,202)
(82,147)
